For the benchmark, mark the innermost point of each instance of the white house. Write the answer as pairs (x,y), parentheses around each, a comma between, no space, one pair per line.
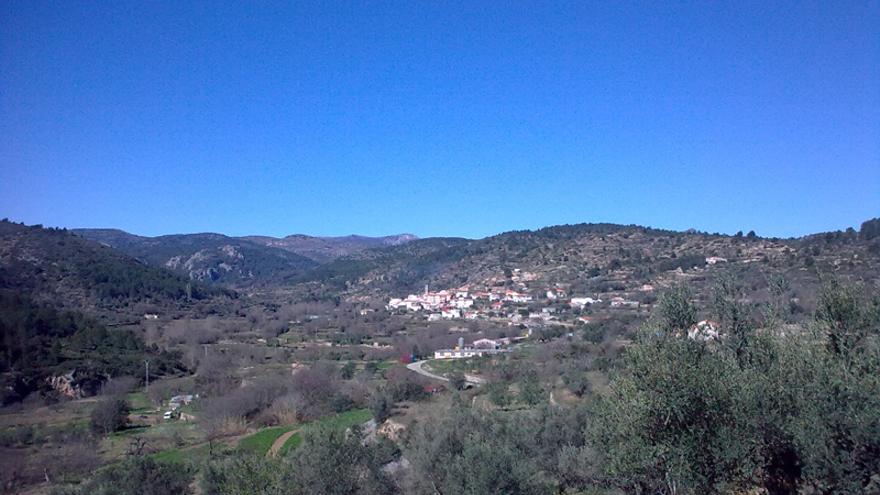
(619,302)
(458,353)
(462,303)
(486,344)
(516,297)
(450,313)
(583,301)
(711,260)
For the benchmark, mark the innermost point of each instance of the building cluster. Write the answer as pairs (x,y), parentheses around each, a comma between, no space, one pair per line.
(495,302)
(175,403)
(458,303)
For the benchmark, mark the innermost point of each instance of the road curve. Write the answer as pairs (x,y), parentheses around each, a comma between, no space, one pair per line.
(417,367)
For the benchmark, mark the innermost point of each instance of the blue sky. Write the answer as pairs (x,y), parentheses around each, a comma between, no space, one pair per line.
(439,118)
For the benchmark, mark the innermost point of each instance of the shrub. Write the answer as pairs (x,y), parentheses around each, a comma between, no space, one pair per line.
(109,415)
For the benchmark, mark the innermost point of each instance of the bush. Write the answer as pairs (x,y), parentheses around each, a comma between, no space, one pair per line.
(138,476)
(794,413)
(109,415)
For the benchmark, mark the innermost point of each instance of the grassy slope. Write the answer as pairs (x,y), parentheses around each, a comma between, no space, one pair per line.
(342,420)
(261,441)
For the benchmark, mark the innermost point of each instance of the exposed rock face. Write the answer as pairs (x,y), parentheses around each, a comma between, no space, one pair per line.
(208,257)
(75,385)
(391,430)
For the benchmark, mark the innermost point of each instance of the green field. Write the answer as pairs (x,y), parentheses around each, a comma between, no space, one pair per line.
(139,402)
(385,365)
(342,420)
(193,454)
(261,441)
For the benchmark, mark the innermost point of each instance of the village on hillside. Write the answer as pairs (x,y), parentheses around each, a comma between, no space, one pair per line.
(528,304)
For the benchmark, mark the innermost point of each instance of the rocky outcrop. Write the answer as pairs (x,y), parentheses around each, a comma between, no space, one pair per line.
(76,384)
(391,430)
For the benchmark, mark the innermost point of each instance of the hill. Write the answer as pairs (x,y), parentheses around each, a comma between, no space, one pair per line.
(325,249)
(65,353)
(597,259)
(207,257)
(58,268)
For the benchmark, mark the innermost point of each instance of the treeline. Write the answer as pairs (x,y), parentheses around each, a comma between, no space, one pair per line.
(39,341)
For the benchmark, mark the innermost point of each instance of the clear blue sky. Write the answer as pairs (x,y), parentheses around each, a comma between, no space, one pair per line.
(439,118)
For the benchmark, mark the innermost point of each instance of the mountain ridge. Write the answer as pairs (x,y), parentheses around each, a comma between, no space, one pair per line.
(208,257)
(57,267)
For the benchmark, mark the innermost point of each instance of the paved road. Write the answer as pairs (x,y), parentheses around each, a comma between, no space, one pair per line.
(417,367)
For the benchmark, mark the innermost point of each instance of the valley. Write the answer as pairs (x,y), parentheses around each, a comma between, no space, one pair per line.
(228,361)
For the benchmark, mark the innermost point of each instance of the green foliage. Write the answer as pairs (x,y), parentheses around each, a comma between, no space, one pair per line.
(497,392)
(341,421)
(333,462)
(464,452)
(530,388)
(870,229)
(40,341)
(457,380)
(261,441)
(330,461)
(137,476)
(244,474)
(732,313)
(846,317)
(785,412)
(108,277)
(347,370)
(676,311)
(380,406)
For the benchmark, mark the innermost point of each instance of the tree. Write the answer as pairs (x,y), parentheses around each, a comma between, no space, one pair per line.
(242,474)
(844,315)
(789,413)
(870,229)
(110,414)
(347,370)
(530,388)
(733,315)
(676,312)
(333,461)
(137,476)
(498,393)
(381,405)
(457,380)
(465,452)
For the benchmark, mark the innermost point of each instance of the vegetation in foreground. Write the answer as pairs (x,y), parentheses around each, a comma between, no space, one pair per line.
(785,412)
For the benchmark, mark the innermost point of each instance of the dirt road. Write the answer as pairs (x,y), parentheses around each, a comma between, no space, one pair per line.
(279,443)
